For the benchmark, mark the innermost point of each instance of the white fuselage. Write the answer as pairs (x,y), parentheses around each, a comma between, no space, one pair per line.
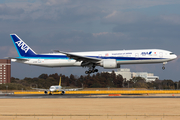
(55,88)
(143,56)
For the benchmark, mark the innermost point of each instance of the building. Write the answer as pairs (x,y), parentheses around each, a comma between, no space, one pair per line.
(148,76)
(5,71)
(127,74)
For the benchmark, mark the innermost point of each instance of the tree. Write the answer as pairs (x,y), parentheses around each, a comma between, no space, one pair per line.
(43,76)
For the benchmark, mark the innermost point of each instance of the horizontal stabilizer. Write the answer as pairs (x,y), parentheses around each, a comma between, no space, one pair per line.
(18,58)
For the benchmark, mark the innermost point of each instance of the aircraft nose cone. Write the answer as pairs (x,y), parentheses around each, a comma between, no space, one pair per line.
(175,56)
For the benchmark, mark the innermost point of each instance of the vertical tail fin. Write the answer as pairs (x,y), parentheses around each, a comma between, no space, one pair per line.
(22,48)
(60,81)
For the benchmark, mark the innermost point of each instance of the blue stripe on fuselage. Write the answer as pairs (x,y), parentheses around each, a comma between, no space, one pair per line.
(65,57)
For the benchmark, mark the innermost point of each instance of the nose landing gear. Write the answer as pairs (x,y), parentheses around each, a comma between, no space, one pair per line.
(163,68)
(164,63)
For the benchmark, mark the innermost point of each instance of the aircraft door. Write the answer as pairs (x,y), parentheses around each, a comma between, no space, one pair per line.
(99,55)
(40,60)
(137,55)
(160,54)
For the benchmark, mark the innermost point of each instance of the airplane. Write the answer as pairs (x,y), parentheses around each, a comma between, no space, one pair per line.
(58,88)
(106,59)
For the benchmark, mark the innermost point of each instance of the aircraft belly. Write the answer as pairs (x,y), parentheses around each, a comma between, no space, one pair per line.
(53,63)
(142,61)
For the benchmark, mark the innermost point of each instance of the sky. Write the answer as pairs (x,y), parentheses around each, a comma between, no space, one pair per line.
(91,25)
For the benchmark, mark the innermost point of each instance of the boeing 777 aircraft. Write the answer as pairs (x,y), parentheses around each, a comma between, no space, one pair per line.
(105,59)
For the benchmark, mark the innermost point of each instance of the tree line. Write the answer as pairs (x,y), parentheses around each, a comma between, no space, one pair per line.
(98,80)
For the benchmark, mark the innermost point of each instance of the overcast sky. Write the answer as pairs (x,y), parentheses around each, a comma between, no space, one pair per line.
(90,25)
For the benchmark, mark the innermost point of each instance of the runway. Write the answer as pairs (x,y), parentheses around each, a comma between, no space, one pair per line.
(43,96)
(90,108)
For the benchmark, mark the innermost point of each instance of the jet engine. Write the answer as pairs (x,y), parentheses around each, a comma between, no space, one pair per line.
(110,64)
(63,92)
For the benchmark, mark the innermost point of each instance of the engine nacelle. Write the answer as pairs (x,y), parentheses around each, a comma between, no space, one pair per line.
(45,92)
(109,64)
(62,92)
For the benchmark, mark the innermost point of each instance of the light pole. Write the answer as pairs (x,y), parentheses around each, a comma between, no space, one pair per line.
(82,85)
(6,88)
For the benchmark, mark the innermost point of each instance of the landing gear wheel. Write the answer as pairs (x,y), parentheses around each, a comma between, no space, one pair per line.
(90,71)
(163,67)
(86,72)
(96,70)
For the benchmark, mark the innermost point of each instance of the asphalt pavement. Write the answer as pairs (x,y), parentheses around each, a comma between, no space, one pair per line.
(45,96)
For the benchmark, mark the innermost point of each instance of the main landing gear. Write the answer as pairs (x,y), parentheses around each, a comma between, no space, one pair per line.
(91,70)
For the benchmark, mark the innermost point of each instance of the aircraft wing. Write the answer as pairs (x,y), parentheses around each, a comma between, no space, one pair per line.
(40,89)
(79,57)
(73,89)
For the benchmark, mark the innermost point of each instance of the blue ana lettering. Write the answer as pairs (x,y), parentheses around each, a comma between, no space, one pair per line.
(146,53)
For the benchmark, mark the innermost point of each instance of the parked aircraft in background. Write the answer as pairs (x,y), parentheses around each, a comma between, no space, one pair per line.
(105,59)
(59,88)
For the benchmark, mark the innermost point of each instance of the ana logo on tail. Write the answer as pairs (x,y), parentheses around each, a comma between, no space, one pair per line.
(23,46)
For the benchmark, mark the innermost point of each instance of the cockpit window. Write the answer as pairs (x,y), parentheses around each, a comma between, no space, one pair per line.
(171,53)
(52,87)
